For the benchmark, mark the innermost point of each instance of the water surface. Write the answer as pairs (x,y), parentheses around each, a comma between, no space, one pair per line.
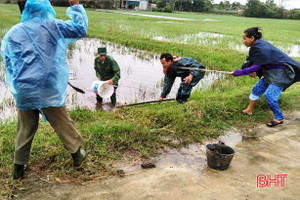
(141,77)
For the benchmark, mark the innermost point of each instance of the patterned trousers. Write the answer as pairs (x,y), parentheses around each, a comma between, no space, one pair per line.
(272,94)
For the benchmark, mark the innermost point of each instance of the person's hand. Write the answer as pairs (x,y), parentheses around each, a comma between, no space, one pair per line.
(160,99)
(110,82)
(73,2)
(231,73)
(253,74)
(176,59)
(188,79)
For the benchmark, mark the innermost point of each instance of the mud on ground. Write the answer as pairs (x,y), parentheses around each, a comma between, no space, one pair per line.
(184,174)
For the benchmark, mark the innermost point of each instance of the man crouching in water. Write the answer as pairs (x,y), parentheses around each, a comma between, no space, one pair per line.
(172,69)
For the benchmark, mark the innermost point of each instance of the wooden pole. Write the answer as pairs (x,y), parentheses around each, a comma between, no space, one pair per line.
(76,88)
(207,70)
(146,102)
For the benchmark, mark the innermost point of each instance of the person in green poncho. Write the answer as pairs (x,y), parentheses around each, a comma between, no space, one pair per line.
(107,69)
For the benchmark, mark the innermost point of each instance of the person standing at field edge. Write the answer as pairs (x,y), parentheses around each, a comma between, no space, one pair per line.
(189,78)
(34,53)
(107,69)
(277,72)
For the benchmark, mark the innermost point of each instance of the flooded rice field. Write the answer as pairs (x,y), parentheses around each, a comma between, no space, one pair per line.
(141,77)
(266,165)
(146,15)
(216,39)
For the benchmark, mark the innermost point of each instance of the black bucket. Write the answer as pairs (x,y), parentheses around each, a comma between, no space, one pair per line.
(219,160)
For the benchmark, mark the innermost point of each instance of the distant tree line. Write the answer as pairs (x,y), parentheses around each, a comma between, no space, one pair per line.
(253,8)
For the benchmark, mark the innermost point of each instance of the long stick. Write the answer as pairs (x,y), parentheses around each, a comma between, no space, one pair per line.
(76,88)
(207,70)
(146,102)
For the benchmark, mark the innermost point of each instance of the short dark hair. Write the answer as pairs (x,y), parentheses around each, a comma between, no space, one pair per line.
(253,31)
(21,5)
(166,56)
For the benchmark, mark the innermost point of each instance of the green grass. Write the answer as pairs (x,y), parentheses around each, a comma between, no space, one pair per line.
(143,130)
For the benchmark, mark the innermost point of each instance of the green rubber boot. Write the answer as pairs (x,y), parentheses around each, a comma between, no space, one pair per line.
(19,171)
(79,158)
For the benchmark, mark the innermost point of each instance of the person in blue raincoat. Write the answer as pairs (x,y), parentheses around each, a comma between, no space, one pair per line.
(34,53)
(189,78)
(276,70)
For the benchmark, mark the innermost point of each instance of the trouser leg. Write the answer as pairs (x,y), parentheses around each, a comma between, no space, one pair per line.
(272,95)
(113,98)
(26,129)
(59,119)
(99,99)
(184,91)
(258,89)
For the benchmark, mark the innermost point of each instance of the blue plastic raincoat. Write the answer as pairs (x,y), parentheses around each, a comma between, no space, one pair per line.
(34,53)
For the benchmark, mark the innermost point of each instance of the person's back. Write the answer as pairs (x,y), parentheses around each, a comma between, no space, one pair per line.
(34,53)
(38,46)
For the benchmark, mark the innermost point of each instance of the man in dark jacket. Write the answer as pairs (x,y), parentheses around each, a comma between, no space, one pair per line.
(172,69)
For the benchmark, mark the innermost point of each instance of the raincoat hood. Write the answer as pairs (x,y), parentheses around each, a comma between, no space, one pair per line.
(38,8)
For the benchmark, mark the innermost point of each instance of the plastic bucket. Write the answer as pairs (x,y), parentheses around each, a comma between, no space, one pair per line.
(219,161)
(103,89)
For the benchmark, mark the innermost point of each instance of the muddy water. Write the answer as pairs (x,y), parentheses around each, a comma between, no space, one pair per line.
(184,174)
(141,77)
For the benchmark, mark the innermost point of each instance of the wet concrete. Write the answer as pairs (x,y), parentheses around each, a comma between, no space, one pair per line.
(184,174)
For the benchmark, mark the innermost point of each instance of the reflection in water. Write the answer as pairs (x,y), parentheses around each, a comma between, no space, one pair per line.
(201,38)
(141,73)
(215,39)
(141,77)
(146,15)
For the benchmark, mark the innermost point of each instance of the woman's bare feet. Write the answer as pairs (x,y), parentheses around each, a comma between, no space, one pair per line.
(247,112)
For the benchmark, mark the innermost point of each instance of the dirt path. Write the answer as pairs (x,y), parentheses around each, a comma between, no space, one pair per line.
(183,174)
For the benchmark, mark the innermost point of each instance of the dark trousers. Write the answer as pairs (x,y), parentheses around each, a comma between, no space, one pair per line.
(184,90)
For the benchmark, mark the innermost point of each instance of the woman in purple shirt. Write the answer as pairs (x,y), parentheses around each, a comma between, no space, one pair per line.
(276,70)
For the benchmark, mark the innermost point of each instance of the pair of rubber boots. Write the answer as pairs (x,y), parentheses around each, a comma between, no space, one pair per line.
(79,157)
(113,99)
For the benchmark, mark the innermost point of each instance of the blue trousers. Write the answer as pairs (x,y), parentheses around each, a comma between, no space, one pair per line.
(272,94)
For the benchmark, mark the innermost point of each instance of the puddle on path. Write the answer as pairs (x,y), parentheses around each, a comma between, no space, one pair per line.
(141,77)
(184,174)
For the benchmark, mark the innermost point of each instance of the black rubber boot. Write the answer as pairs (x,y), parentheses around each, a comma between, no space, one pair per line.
(113,100)
(79,158)
(19,171)
(99,99)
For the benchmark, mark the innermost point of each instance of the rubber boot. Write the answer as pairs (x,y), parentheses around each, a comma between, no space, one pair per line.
(113,100)
(18,172)
(99,99)
(79,158)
